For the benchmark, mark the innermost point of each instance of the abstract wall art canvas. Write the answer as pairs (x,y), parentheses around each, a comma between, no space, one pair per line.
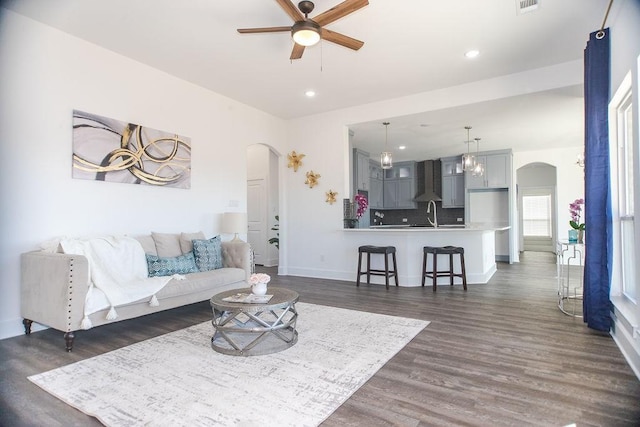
(111,150)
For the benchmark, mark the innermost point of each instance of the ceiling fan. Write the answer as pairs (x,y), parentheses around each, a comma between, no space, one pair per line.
(307,32)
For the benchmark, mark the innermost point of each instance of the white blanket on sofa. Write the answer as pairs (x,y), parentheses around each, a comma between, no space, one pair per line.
(118,267)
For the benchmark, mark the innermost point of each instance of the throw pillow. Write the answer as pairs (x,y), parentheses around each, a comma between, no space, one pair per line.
(167,244)
(148,244)
(185,241)
(159,266)
(208,253)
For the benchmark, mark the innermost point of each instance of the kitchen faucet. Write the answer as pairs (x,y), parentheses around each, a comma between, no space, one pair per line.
(434,223)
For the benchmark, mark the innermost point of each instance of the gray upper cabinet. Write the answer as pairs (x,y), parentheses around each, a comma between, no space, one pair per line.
(399,186)
(497,171)
(360,170)
(453,191)
(376,200)
(452,182)
(451,166)
(393,188)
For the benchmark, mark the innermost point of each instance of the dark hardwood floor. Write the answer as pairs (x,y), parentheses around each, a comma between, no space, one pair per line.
(499,354)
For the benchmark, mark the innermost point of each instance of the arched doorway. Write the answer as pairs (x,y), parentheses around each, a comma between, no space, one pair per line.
(537,207)
(262,203)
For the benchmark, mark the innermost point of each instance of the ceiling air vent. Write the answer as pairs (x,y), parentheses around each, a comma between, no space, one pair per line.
(524,6)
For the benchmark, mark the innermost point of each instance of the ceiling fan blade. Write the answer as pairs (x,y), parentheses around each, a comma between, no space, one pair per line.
(263,30)
(297,51)
(341,39)
(291,10)
(337,12)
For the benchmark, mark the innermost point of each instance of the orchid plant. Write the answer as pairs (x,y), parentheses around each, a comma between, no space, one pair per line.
(575,209)
(363,204)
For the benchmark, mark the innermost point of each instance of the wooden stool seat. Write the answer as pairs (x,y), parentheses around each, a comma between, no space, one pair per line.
(434,273)
(384,250)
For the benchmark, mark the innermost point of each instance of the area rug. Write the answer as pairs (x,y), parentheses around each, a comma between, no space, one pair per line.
(177,379)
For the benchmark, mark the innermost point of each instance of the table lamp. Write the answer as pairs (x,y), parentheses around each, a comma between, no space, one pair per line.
(234,223)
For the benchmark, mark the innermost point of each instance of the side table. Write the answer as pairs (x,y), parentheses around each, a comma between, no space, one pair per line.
(570,286)
(246,329)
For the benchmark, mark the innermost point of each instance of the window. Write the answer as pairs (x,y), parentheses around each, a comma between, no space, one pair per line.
(624,127)
(536,216)
(623,145)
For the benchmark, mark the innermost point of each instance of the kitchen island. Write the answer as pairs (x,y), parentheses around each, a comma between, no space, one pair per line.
(478,242)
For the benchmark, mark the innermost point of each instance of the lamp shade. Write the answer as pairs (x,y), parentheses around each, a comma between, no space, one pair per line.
(234,223)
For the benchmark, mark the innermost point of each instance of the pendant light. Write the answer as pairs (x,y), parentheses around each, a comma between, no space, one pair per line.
(386,161)
(478,168)
(468,160)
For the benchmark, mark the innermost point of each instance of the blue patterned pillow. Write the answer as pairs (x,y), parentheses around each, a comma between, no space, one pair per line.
(182,264)
(208,253)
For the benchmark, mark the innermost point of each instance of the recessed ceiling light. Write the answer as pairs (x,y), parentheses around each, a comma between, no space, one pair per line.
(402,147)
(472,53)
(310,93)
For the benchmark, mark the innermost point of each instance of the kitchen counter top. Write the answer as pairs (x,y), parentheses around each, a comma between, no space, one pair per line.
(478,241)
(422,228)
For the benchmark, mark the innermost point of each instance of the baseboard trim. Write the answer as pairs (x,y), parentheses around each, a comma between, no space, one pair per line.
(14,327)
(404,280)
(628,345)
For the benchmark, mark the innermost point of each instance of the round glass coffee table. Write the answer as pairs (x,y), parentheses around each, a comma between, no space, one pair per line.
(253,329)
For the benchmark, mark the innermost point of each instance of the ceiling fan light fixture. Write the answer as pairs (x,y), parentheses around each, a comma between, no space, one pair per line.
(305,33)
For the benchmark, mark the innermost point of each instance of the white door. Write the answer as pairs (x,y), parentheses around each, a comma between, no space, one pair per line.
(257,218)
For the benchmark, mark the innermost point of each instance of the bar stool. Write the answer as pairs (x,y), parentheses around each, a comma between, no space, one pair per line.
(386,251)
(435,273)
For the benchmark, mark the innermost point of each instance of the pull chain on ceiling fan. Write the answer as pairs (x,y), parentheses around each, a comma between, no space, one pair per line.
(307,31)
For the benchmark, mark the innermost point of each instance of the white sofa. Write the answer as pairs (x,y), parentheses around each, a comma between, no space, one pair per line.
(54,286)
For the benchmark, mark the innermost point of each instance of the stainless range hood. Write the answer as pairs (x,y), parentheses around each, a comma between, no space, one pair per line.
(432,182)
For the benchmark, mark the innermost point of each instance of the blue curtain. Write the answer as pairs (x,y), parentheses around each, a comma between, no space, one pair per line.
(598,217)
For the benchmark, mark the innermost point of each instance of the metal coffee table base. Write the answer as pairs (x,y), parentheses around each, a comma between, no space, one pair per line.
(254,329)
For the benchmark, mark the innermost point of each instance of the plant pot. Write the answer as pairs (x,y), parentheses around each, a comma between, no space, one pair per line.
(259,288)
(573,236)
(350,223)
(580,236)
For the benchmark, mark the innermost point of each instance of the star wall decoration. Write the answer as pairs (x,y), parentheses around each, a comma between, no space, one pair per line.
(295,160)
(312,179)
(331,196)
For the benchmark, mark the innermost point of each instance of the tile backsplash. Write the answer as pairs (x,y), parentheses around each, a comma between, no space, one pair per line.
(416,216)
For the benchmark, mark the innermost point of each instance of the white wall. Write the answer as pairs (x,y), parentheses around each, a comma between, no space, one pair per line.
(45,75)
(570,177)
(313,235)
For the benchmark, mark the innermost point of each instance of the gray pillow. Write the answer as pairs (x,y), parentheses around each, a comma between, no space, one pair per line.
(167,244)
(208,253)
(185,240)
(147,243)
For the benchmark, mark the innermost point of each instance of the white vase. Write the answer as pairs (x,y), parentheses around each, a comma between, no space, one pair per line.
(259,288)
